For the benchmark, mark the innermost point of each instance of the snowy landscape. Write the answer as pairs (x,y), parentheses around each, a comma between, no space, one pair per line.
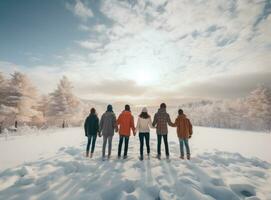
(21,103)
(51,164)
(76,68)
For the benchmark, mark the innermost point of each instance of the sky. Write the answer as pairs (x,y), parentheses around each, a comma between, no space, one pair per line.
(139,51)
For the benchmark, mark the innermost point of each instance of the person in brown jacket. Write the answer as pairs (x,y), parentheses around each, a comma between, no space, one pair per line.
(184,132)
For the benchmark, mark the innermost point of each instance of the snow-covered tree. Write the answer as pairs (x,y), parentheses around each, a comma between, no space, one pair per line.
(63,104)
(5,111)
(3,89)
(43,105)
(21,98)
(259,107)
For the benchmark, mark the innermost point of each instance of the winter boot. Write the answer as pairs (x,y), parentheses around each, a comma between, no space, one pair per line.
(87,153)
(182,157)
(91,155)
(188,156)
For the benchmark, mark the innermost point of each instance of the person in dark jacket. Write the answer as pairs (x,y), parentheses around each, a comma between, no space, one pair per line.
(91,130)
(160,121)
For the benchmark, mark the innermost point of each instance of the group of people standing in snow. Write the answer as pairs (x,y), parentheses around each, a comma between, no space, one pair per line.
(124,124)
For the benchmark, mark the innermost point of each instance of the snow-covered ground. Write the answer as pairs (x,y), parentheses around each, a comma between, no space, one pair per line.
(50,164)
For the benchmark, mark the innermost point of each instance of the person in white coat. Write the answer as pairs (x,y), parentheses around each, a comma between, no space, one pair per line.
(144,123)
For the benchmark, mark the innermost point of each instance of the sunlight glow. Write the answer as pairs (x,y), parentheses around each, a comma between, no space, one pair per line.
(144,76)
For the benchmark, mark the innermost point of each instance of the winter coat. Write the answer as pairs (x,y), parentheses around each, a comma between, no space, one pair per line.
(161,120)
(91,125)
(126,123)
(108,124)
(184,127)
(143,125)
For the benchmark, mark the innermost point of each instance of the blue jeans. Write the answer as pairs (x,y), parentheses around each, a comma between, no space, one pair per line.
(182,143)
(93,138)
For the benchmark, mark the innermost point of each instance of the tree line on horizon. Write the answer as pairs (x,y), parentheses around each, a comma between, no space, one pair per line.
(21,103)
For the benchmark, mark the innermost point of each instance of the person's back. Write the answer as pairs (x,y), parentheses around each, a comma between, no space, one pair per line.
(92,125)
(144,124)
(184,126)
(107,126)
(108,123)
(184,132)
(161,120)
(126,122)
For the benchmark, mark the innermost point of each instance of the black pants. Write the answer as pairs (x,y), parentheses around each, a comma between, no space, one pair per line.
(159,138)
(126,141)
(93,138)
(141,139)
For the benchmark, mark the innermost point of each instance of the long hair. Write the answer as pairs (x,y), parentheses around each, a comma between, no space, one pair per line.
(144,115)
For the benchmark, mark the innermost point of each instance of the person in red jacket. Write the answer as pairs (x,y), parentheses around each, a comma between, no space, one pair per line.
(125,122)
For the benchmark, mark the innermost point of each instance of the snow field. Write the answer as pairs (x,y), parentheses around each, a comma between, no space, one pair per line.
(54,167)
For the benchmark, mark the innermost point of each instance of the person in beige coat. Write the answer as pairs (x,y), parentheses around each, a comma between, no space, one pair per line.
(144,123)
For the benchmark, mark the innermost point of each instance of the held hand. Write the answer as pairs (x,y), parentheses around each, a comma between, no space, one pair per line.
(134,132)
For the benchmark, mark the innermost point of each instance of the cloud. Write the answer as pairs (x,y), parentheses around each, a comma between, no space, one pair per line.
(166,49)
(83,27)
(79,9)
(186,42)
(226,40)
(89,44)
(233,86)
(116,88)
(266,11)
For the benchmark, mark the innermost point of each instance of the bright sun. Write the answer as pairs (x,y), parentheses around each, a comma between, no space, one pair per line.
(144,76)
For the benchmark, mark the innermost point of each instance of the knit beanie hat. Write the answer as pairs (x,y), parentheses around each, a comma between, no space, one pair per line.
(144,110)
